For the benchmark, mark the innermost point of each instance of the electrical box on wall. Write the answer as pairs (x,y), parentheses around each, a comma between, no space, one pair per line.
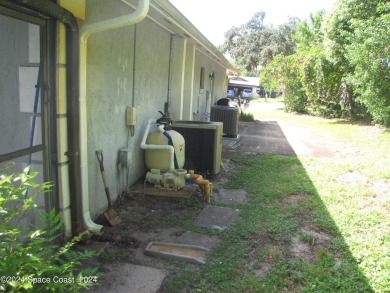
(124,157)
(131,116)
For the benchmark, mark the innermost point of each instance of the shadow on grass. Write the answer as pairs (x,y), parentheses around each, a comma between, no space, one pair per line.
(285,240)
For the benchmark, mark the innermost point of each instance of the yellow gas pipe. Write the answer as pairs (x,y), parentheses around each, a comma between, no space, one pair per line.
(207,186)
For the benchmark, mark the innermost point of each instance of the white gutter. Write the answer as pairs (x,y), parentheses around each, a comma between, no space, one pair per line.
(85,32)
(168,148)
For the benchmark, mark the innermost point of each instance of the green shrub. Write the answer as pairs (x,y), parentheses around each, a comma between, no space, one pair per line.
(31,258)
(246,117)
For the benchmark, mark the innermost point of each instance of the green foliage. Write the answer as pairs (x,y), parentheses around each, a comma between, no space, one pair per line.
(341,67)
(247,117)
(284,73)
(323,80)
(357,38)
(32,259)
(255,44)
(370,54)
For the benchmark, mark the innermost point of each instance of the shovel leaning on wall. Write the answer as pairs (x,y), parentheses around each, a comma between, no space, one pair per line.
(110,214)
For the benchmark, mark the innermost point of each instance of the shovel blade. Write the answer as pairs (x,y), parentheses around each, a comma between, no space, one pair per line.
(112,217)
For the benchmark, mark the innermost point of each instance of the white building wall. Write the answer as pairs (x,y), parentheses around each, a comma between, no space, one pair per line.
(110,70)
(206,97)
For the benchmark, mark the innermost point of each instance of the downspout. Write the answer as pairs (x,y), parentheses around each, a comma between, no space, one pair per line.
(85,32)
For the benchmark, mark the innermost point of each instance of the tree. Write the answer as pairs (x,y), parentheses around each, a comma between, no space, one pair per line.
(255,44)
(310,82)
(357,38)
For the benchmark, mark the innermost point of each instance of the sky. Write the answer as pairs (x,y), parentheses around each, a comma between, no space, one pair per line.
(214,17)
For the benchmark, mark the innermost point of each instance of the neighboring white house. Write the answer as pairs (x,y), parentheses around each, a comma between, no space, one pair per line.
(239,83)
(92,60)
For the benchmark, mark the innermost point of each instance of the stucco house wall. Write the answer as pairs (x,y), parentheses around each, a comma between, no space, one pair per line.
(154,65)
(110,87)
(161,60)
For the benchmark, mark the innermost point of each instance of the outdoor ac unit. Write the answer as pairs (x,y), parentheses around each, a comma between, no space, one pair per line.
(203,145)
(228,116)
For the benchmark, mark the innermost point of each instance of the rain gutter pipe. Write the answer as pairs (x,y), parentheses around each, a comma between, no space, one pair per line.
(167,148)
(85,32)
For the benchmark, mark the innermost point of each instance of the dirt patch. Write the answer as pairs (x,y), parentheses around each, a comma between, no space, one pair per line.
(301,249)
(265,254)
(144,220)
(294,198)
(304,243)
(352,177)
(377,197)
(320,237)
(381,188)
(228,167)
(262,271)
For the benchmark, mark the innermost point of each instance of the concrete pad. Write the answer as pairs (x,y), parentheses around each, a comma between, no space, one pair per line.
(270,137)
(230,196)
(192,238)
(305,142)
(264,137)
(231,142)
(216,217)
(122,277)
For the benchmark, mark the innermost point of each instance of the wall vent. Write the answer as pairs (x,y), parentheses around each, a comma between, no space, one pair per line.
(229,117)
(203,145)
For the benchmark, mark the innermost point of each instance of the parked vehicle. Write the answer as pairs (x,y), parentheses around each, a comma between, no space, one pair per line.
(247,94)
(230,94)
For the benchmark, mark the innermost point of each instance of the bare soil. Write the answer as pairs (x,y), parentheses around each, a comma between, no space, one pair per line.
(145,219)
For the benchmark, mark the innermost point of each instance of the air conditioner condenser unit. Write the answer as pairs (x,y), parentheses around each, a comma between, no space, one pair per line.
(229,116)
(203,145)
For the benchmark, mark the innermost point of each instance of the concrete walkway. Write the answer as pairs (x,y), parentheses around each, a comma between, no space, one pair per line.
(268,136)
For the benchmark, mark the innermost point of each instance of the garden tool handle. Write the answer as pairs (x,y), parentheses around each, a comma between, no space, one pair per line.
(100,158)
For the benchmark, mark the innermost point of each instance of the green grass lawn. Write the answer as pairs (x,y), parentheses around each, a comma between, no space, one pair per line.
(311,225)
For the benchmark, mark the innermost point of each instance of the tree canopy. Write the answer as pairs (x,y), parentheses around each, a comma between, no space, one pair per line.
(341,64)
(255,44)
(357,38)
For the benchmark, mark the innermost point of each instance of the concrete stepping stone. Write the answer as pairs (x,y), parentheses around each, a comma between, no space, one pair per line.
(230,196)
(216,217)
(192,238)
(123,277)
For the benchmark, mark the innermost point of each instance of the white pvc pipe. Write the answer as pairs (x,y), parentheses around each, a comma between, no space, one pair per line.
(168,148)
(85,32)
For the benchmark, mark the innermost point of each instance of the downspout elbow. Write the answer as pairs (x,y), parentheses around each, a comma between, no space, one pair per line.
(126,20)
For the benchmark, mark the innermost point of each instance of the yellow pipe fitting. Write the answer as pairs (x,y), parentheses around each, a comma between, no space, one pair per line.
(207,186)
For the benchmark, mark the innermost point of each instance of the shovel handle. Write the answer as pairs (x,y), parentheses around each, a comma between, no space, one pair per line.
(99,155)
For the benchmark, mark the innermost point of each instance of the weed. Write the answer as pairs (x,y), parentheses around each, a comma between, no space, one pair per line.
(113,254)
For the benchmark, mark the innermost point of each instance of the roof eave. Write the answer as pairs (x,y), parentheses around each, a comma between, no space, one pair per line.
(191,33)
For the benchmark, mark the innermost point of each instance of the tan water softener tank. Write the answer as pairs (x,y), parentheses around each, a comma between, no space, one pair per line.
(160,159)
